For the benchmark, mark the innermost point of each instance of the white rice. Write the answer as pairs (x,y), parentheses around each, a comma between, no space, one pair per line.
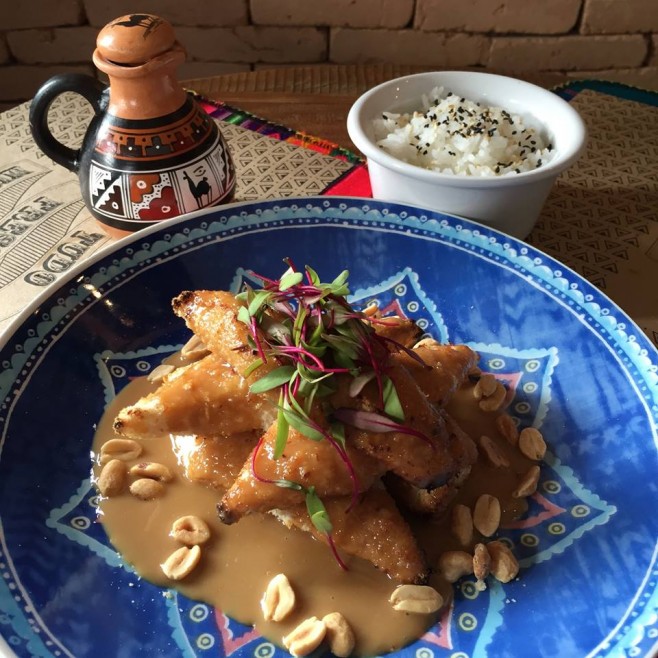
(453,135)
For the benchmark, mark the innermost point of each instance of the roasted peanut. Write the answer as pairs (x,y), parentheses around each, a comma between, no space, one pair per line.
(455,564)
(340,636)
(494,401)
(504,566)
(485,386)
(279,599)
(113,477)
(190,530)
(306,637)
(492,452)
(181,562)
(532,444)
(419,599)
(462,524)
(146,489)
(507,427)
(124,449)
(528,483)
(481,561)
(486,515)
(160,372)
(152,470)
(194,349)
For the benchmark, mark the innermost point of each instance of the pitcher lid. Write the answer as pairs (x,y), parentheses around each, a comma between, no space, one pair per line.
(135,39)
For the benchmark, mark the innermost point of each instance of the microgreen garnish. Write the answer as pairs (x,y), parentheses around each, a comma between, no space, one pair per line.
(310,331)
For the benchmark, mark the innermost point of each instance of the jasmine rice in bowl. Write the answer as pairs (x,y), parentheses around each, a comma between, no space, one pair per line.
(454,135)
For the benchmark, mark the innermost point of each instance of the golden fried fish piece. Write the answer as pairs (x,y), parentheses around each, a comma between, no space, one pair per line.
(214,461)
(449,366)
(422,460)
(304,461)
(434,501)
(213,316)
(207,397)
(398,329)
(373,530)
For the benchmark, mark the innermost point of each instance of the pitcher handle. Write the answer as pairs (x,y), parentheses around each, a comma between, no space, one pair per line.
(86,86)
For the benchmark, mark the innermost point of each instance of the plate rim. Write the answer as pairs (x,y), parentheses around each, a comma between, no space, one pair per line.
(301,202)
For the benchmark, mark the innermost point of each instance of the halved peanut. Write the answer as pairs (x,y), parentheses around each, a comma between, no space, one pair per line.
(528,483)
(455,564)
(486,514)
(504,566)
(340,636)
(146,489)
(181,562)
(418,599)
(190,530)
(462,524)
(194,349)
(152,470)
(485,386)
(481,561)
(532,444)
(113,477)
(492,452)
(160,372)
(507,427)
(494,401)
(306,637)
(279,599)
(124,449)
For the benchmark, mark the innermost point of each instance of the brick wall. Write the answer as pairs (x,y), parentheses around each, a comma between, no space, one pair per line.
(609,39)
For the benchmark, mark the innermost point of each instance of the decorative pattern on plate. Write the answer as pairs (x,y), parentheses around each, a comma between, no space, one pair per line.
(602,396)
(556,518)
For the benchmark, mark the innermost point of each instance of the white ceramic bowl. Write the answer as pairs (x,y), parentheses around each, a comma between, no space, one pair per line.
(509,203)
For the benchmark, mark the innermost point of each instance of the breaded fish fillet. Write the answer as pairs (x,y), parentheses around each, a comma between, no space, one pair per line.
(374,530)
(207,397)
(434,501)
(307,462)
(398,329)
(449,366)
(212,315)
(214,461)
(422,460)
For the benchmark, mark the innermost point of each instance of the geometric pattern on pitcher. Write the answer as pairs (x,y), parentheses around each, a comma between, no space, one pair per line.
(157,195)
(151,144)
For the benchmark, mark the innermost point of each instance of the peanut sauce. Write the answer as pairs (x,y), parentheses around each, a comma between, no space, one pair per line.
(239,560)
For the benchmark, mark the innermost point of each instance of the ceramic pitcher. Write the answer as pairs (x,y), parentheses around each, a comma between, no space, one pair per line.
(150,152)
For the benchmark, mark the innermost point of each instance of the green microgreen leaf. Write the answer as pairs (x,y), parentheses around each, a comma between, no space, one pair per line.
(317,511)
(254,365)
(340,280)
(392,405)
(338,432)
(290,279)
(297,326)
(243,315)
(274,378)
(258,300)
(288,484)
(300,422)
(281,430)
(313,275)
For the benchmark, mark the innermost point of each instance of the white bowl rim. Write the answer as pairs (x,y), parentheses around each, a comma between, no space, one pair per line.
(555,166)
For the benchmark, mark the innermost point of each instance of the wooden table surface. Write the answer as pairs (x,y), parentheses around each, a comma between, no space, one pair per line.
(312,99)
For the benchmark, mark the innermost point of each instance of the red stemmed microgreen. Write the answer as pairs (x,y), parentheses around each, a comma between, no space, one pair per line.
(310,331)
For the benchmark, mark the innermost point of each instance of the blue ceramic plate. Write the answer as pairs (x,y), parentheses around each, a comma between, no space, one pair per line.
(582,372)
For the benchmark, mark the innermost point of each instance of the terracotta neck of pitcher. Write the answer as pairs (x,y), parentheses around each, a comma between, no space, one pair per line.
(140,55)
